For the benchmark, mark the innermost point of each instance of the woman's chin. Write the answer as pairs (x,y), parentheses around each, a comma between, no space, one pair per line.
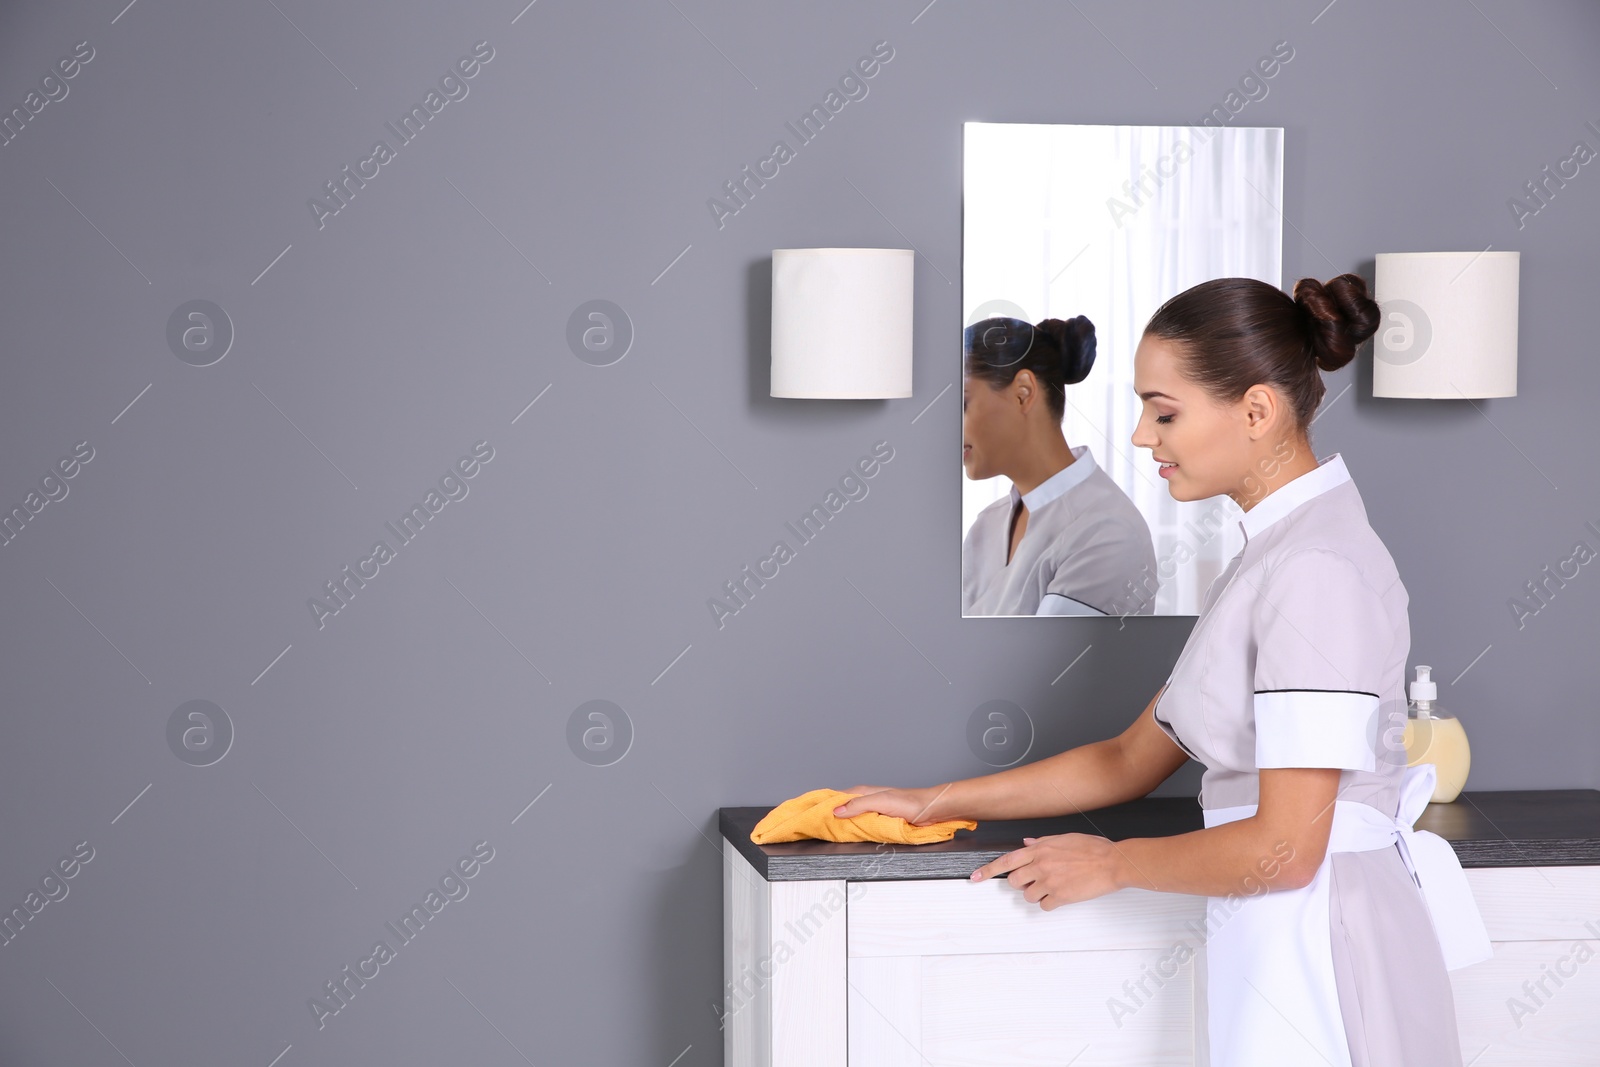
(1187,493)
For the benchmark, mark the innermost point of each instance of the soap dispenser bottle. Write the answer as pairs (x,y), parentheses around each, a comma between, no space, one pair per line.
(1434,736)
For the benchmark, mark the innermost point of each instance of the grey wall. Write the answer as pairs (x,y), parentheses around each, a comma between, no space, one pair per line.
(425,316)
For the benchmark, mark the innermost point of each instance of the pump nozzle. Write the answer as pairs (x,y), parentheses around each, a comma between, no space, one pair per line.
(1424,690)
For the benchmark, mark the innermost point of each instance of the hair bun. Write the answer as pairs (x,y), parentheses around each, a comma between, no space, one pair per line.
(1338,317)
(1074,337)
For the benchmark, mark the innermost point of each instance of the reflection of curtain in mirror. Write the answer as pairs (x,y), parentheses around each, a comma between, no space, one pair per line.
(1058,222)
(1214,218)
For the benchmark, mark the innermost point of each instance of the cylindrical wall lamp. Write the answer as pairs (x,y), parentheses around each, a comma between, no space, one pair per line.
(1449,327)
(841,322)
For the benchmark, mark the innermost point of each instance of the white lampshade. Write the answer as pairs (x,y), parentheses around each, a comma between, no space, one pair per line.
(841,322)
(1449,324)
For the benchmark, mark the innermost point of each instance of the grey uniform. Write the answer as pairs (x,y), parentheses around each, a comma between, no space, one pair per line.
(1086,551)
(1298,660)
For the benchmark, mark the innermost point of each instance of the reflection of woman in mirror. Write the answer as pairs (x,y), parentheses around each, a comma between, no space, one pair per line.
(1332,922)
(1066,540)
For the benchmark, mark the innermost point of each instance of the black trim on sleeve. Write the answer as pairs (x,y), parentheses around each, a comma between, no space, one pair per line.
(1074,599)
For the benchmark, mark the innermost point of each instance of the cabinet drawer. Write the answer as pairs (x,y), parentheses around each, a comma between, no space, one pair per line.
(1537,903)
(1535,1002)
(951,916)
(1022,1009)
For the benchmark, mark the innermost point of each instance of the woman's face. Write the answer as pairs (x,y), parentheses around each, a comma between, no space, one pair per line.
(993,428)
(1208,445)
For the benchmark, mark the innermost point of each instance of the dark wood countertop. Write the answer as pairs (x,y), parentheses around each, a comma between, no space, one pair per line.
(1516,828)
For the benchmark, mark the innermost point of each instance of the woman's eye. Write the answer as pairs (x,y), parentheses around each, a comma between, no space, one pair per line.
(1163,419)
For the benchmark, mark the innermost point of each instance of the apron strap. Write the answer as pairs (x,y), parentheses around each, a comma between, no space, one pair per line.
(1437,870)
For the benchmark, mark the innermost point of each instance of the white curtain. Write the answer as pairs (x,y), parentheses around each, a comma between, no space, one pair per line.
(1055,223)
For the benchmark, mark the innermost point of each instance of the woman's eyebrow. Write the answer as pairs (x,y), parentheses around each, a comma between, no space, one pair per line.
(1152,394)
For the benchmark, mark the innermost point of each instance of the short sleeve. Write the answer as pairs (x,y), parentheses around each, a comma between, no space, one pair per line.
(1322,637)
(1086,578)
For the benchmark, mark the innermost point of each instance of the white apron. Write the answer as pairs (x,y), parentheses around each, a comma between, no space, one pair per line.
(1267,975)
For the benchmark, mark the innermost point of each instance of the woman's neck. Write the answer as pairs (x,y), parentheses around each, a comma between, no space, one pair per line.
(1268,475)
(1043,459)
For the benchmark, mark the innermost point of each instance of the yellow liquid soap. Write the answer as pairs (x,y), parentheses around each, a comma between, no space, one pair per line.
(1434,736)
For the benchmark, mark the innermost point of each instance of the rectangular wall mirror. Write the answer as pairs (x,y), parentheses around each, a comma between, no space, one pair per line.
(1104,222)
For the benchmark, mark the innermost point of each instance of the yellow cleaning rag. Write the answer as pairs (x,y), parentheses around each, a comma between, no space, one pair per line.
(811,815)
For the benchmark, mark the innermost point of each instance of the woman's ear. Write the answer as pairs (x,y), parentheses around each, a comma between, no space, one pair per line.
(1262,408)
(1026,389)
(1023,388)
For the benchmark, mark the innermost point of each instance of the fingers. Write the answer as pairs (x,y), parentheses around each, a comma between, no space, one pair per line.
(1003,864)
(853,807)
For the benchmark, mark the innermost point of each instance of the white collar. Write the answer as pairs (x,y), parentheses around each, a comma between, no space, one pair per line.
(1275,505)
(1073,474)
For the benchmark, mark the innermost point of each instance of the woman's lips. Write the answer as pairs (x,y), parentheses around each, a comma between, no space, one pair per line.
(1167,469)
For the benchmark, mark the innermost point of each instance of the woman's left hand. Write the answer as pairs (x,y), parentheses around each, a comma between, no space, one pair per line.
(1059,869)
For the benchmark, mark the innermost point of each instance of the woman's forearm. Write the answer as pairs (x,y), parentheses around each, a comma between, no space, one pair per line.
(1091,776)
(1281,846)
(1239,858)
(1079,779)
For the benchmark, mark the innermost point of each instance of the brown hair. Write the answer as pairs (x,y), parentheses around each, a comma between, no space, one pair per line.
(1239,332)
(1059,352)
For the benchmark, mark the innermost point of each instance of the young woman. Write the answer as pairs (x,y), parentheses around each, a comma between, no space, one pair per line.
(1066,540)
(1331,922)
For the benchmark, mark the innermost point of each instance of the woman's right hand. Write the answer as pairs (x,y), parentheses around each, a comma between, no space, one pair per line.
(912,805)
